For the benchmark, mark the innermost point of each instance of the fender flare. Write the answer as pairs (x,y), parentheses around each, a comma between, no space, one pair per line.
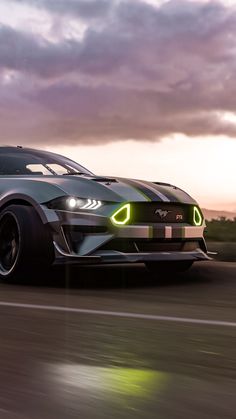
(18,198)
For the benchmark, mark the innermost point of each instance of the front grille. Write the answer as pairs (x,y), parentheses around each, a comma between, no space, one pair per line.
(155,212)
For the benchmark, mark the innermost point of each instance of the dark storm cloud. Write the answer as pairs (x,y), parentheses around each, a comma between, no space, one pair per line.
(141,73)
(85,9)
(24,53)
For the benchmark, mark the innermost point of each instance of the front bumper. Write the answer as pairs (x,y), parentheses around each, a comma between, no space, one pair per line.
(88,239)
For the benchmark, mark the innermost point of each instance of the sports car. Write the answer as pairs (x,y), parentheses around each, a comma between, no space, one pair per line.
(54,211)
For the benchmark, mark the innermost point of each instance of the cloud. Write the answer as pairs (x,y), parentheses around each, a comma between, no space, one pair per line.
(25,53)
(139,72)
(85,9)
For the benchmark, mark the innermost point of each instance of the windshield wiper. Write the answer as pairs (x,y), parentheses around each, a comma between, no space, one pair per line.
(74,173)
(50,170)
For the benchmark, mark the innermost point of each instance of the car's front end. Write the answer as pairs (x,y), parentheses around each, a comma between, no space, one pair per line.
(168,226)
(54,211)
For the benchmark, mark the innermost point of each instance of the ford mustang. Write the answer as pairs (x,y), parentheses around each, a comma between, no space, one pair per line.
(54,211)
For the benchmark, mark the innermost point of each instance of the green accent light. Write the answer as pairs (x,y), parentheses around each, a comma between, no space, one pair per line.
(197,217)
(127,382)
(122,215)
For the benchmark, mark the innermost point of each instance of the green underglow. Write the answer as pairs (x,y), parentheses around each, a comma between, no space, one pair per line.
(133,382)
(122,215)
(197,217)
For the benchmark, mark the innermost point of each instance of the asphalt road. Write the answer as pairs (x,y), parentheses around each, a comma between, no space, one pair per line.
(114,343)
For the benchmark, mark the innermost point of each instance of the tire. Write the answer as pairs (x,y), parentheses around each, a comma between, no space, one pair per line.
(171,267)
(25,243)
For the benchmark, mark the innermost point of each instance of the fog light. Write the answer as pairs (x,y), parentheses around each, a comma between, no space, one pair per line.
(197,217)
(122,215)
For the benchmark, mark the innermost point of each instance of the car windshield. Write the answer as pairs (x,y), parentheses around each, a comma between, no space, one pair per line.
(27,163)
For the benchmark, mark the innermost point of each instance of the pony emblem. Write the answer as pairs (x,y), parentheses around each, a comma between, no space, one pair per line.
(162,213)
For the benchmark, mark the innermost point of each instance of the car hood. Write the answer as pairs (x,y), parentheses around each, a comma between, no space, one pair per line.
(44,188)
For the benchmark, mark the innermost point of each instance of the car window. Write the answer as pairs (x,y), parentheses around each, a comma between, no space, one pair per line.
(38,169)
(20,163)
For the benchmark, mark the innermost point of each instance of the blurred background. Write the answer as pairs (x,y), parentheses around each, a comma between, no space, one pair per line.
(136,88)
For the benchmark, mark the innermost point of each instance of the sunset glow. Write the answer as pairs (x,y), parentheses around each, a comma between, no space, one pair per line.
(138,88)
(205,168)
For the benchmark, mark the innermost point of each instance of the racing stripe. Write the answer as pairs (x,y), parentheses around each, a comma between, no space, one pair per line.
(168,191)
(128,192)
(151,188)
(135,187)
(150,193)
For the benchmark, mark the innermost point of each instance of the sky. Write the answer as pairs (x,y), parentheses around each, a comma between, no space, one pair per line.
(138,88)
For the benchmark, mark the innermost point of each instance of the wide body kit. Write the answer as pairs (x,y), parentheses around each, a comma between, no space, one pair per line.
(94,219)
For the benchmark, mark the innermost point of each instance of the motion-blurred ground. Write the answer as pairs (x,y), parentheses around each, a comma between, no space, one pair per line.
(63,365)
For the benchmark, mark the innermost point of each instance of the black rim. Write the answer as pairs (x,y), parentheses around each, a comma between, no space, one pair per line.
(9,243)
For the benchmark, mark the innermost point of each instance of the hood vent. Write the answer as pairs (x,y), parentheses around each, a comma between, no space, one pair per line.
(165,184)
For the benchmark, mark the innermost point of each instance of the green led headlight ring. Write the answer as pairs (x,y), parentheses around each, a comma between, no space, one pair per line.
(197,217)
(122,215)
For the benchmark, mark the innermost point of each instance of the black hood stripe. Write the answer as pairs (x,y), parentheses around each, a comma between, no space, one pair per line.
(157,192)
(168,191)
(145,190)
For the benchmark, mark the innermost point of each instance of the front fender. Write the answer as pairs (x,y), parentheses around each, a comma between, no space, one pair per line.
(22,199)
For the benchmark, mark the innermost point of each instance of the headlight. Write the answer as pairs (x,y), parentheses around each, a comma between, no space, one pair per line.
(89,204)
(74,204)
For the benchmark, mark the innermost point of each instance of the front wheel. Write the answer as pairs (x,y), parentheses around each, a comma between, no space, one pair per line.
(25,243)
(170,267)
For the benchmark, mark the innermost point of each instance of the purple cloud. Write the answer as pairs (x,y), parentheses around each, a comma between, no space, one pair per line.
(141,73)
(85,9)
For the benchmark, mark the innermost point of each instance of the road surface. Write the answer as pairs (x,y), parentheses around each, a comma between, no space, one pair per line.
(118,344)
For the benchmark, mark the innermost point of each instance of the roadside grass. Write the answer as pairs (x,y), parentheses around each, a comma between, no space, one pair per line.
(220,235)
(221,230)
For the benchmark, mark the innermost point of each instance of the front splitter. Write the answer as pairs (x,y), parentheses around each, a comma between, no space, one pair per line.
(113,256)
(119,257)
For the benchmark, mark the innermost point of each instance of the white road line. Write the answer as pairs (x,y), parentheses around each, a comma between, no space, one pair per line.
(118,314)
